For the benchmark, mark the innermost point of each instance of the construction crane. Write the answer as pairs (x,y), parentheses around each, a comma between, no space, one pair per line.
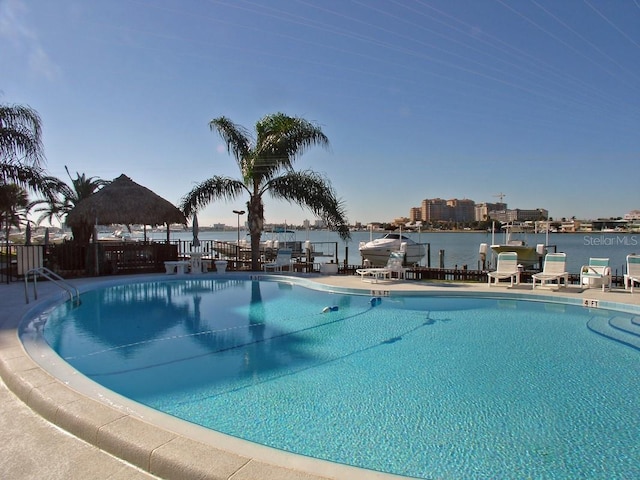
(500,196)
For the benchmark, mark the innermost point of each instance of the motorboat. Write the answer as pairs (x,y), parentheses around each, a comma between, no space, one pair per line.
(376,252)
(529,256)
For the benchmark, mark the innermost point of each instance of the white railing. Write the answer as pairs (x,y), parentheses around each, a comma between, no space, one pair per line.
(74,294)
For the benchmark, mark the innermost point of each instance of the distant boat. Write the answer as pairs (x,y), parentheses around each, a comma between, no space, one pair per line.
(377,251)
(515,241)
(117,235)
(279,238)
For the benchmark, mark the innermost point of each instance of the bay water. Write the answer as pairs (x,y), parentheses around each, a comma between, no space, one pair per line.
(457,249)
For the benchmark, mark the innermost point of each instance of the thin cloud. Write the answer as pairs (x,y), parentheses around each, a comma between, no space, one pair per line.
(14,29)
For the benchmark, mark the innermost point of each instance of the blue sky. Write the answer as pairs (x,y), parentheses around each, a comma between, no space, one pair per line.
(536,99)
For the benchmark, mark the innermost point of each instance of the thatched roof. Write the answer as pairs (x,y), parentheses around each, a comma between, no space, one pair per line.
(125,202)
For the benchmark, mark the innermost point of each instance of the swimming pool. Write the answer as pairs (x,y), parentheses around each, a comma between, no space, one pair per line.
(433,386)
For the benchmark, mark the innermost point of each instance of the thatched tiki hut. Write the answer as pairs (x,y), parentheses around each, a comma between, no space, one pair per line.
(125,202)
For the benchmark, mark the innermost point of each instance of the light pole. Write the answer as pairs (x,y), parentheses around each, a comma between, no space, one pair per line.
(238,212)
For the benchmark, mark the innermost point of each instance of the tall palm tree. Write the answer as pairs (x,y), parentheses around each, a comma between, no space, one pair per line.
(14,202)
(266,165)
(66,198)
(21,150)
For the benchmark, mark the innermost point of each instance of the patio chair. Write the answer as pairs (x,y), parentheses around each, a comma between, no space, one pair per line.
(283,259)
(507,267)
(394,265)
(633,271)
(597,273)
(554,269)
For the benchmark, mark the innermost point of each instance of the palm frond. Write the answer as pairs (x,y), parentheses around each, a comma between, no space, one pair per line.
(236,137)
(20,135)
(215,188)
(313,191)
(24,175)
(83,187)
(282,138)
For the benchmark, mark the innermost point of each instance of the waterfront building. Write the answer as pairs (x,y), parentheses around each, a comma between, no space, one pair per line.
(632,216)
(434,210)
(481,210)
(415,214)
(519,215)
(461,210)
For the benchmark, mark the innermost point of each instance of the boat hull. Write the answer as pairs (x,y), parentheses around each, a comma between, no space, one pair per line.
(379,255)
(527,256)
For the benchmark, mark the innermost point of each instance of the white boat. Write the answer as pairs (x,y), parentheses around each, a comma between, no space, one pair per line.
(377,251)
(515,241)
(278,238)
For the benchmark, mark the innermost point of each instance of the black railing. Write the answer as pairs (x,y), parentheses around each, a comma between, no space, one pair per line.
(109,258)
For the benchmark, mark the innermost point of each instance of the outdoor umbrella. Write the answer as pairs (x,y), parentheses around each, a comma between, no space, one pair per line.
(123,201)
(196,241)
(46,240)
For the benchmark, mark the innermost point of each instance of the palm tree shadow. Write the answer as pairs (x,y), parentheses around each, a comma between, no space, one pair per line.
(225,351)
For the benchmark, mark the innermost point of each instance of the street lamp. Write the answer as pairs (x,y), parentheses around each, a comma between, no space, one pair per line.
(238,212)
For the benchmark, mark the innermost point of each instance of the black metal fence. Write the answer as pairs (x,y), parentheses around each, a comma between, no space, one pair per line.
(70,260)
(111,258)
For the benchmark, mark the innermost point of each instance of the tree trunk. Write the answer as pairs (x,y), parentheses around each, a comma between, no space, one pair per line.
(82,233)
(256,224)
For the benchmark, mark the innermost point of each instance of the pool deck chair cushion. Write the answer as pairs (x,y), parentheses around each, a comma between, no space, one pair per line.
(283,259)
(554,269)
(597,273)
(633,272)
(394,265)
(507,267)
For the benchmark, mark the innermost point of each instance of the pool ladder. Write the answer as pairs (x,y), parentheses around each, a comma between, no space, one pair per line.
(74,294)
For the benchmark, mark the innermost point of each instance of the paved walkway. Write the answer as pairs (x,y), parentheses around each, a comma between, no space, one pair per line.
(50,431)
(32,447)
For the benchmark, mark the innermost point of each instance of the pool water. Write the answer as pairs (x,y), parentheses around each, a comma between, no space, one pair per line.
(428,387)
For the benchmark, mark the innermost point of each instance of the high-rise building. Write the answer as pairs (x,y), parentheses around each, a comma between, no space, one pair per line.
(415,214)
(461,210)
(482,210)
(434,210)
(519,215)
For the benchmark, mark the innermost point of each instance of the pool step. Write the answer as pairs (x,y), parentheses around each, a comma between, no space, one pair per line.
(620,329)
(626,325)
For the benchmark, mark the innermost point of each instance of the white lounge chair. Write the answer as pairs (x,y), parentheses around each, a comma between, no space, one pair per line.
(394,265)
(507,267)
(597,273)
(554,269)
(633,271)
(283,259)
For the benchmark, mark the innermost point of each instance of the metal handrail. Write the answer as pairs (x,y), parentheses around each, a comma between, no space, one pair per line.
(53,277)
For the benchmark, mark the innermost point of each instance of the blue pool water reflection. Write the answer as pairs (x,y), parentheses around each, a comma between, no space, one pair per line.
(429,387)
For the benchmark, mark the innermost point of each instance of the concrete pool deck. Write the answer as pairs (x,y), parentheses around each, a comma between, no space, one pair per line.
(50,430)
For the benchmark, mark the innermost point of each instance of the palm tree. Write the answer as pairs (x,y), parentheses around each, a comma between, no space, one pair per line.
(14,202)
(66,198)
(266,165)
(21,150)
